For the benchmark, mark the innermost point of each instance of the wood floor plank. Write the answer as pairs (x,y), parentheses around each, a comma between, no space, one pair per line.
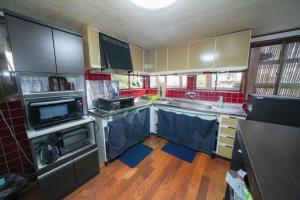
(158,176)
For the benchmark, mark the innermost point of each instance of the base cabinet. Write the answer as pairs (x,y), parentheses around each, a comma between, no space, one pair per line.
(58,182)
(62,180)
(86,166)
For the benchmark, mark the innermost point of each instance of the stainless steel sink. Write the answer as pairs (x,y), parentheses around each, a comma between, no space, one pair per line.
(196,106)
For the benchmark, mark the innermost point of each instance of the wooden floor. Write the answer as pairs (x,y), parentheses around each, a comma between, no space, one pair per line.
(158,176)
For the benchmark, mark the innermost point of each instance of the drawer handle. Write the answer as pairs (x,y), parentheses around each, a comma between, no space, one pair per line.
(228,146)
(240,151)
(230,137)
(231,127)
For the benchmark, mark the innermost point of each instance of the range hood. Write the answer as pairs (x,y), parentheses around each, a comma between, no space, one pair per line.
(115,55)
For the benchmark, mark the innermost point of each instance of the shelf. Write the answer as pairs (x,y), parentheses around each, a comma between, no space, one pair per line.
(51,93)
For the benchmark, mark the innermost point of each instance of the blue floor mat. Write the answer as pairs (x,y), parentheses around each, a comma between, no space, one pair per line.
(180,151)
(133,156)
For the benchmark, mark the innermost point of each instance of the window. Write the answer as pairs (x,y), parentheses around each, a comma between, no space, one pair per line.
(219,81)
(206,81)
(136,82)
(129,81)
(276,69)
(154,80)
(123,80)
(176,81)
(229,81)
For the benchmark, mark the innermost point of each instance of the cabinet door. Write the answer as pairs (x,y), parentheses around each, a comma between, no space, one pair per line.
(146,61)
(177,57)
(161,60)
(232,50)
(137,58)
(152,61)
(86,166)
(58,182)
(202,54)
(32,45)
(68,52)
(91,48)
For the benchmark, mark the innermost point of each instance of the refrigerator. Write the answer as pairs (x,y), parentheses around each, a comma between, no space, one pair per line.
(274,109)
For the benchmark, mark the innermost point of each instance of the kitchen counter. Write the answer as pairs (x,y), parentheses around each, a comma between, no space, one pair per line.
(192,105)
(103,113)
(203,106)
(271,156)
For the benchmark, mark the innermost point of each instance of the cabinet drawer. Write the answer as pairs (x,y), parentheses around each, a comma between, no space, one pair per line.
(228,131)
(225,151)
(229,121)
(226,140)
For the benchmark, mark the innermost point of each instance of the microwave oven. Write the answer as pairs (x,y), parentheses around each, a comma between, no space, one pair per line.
(46,112)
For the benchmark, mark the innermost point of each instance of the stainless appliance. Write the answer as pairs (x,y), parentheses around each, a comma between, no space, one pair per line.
(8,86)
(43,112)
(274,109)
(48,152)
(73,139)
(115,103)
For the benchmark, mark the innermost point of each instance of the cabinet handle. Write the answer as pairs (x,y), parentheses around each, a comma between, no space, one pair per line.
(231,127)
(230,137)
(228,146)
(240,151)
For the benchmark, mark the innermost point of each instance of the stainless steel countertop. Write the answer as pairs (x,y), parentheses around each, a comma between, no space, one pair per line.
(192,105)
(203,106)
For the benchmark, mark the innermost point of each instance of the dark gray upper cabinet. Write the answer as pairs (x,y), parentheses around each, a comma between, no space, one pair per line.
(68,52)
(32,45)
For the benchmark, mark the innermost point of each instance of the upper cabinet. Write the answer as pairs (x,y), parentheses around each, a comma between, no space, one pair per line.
(40,48)
(32,45)
(162,60)
(202,54)
(91,48)
(152,61)
(146,61)
(177,57)
(137,58)
(232,50)
(68,52)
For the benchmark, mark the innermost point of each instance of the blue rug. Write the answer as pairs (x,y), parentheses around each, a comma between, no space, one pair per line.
(180,151)
(133,156)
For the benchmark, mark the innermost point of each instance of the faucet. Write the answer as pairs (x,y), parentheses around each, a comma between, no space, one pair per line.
(191,95)
(221,101)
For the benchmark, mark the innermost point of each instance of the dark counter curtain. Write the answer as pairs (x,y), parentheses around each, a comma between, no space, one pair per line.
(127,131)
(192,132)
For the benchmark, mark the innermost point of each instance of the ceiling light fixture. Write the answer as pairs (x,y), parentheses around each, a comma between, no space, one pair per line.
(153,4)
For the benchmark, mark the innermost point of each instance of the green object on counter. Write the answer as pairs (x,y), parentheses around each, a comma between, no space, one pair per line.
(150,97)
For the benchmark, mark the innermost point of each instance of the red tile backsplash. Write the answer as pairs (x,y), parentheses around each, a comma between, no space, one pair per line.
(11,158)
(96,76)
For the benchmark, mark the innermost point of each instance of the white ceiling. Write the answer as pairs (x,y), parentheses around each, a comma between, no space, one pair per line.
(182,21)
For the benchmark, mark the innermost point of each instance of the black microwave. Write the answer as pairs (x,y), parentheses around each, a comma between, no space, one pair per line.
(73,139)
(47,112)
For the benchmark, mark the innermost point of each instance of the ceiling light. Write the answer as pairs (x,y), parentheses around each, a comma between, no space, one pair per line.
(153,4)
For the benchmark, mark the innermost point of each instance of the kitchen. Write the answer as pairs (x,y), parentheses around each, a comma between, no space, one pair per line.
(139,99)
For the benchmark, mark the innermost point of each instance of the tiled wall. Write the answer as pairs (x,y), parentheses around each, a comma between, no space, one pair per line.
(11,158)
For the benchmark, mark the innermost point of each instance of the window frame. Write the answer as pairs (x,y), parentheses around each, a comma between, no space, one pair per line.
(282,61)
(215,88)
(180,81)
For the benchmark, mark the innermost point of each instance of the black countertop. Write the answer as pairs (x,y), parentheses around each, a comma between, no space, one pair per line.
(274,154)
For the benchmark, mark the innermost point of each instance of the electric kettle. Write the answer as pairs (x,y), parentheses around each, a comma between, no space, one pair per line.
(48,152)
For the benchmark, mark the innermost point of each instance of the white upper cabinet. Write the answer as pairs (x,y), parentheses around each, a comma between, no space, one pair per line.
(152,61)
(232,51)
(177,57)
(137,58)
(91,48)
(161,60)
(202,54)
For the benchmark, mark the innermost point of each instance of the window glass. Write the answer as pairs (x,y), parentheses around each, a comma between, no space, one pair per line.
(162,79)
(123,80)
(206,81)
(184,81)
(173,81)
(153,82)
(136,82)
(229,81)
